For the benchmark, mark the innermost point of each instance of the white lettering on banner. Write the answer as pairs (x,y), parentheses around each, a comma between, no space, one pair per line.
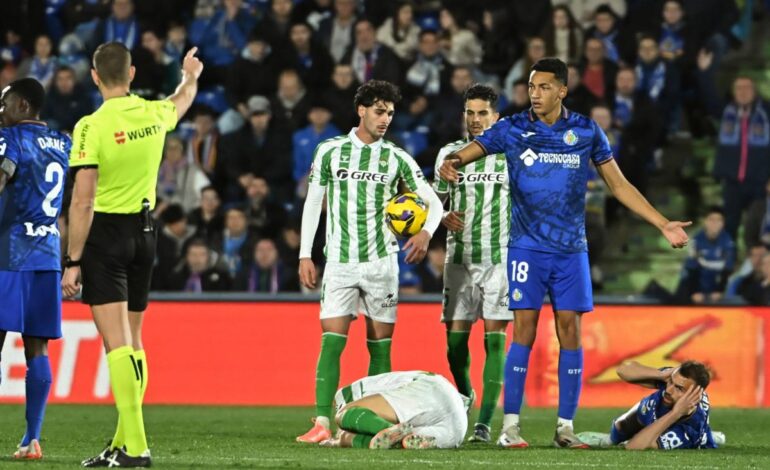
(13,356)
(73,332)
(102,384)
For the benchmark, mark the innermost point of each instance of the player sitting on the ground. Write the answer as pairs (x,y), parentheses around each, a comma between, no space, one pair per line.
(676,416)
(413,410)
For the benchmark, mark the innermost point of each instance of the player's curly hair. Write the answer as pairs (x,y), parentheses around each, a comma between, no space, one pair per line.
(697,372)
(374,91)
(481,92)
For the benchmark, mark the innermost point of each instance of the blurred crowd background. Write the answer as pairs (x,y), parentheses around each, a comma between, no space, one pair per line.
(675,84)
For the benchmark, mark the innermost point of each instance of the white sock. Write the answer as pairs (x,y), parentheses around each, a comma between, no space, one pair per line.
(510,420)
(323,421)
(561,422)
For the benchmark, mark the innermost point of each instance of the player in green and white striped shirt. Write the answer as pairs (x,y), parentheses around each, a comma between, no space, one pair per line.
(359,173)
(475,277)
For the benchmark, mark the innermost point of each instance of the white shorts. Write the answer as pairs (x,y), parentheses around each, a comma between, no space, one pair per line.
(473,291)
(433,407)
(370,288)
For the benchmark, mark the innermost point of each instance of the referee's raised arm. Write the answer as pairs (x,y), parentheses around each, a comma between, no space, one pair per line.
(185,93)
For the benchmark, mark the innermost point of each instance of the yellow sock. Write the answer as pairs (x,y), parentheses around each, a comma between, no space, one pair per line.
(126,388)
(141,360)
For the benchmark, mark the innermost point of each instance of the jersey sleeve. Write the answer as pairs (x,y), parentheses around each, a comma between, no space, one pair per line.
(680,436)
(10,153)
(494,139)
(320,169)
(166,111)
(411,173)
(601,150)
(85,144)
(440,185)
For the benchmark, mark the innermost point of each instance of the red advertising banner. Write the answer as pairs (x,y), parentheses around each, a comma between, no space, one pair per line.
(241,353)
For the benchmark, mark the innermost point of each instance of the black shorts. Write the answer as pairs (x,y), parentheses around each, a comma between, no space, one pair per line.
(117,261)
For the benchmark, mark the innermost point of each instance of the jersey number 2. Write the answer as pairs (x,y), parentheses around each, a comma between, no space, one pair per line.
(54,173)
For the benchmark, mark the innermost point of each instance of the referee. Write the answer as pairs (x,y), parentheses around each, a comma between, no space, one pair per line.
(115,157)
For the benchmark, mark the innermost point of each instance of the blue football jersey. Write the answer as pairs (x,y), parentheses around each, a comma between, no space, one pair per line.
(692,432)
(32,200)
(548,167)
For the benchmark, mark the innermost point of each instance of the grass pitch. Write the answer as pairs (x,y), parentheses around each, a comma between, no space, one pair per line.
(240,437)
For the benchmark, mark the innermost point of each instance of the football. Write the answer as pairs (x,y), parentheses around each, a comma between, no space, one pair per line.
(406,214)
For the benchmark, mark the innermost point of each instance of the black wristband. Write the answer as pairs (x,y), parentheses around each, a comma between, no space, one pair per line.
(70,263)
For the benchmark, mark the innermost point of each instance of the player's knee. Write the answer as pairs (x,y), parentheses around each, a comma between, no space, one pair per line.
(525,334)
(34,347)
(569,328)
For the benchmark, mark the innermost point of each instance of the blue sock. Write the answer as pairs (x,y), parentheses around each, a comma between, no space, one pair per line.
(570,381)
(616,436)
(38,385)
(515,375)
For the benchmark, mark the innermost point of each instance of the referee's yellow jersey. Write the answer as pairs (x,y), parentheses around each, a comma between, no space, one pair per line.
(124,138)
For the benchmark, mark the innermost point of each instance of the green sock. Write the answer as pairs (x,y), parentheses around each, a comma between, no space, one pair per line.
(126,389)
(494,344)
(459,360)
(361,441)
(379,355)
(363,421)
(327,373)
(141,361)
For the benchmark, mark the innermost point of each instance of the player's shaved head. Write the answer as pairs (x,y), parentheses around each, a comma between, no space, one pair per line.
(112,62)
(28,89)
(697,372)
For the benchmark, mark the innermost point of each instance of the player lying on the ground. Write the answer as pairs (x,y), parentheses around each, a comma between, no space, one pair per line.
(676,416)
(413,410)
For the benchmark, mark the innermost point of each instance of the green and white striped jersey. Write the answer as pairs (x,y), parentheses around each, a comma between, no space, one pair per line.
(360,180)
(481,192)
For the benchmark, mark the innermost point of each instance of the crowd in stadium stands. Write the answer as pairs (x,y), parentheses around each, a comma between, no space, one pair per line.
(280,76)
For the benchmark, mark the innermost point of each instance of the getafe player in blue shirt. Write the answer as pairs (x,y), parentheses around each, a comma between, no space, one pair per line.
(548,149)
(33,165)
(676,416)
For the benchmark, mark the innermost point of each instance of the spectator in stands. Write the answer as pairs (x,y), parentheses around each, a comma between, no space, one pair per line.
(742,164)
(370,59)
(207,219)
(313,11)
(266,214)
(754,288)
(710,262)
(448,123)
(607,29)
(121,26)
(519,98)
(535,52)
(305,140)
(747,281)
(220,35)
(266,272)
(275,25)
(339,97)
(179,181)
(596,200)
(500,48)
(235,242)
(291,103)
(11,52)
(199,272)
(430,72)
(431,270)
(399,32)
(166,68)
(563,36)
(757,228)
(42,65)
(579,98)
(303,54)
(255,72)
(459,45)
(176,44)
(172,239)
(72,54)
(337,32)
(640,129)
(597,71)
(66,102)
(585,10)
(651,72)
(202,144)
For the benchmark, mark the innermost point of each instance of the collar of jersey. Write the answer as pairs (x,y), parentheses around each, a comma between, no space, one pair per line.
(119,101)
(565,113)
(358,143)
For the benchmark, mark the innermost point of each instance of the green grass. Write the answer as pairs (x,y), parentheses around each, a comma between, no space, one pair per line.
(237,437)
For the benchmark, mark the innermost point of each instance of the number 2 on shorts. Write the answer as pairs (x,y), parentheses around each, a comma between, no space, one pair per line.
(519,271)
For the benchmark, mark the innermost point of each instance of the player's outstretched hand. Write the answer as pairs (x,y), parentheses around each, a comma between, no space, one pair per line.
(70,282)
(417,247)
(307,275)
(687,403)
(192,64)
(675,234)
(454,221)
(448,170)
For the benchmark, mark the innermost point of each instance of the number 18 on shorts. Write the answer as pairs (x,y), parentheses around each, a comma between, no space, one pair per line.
(565,277)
